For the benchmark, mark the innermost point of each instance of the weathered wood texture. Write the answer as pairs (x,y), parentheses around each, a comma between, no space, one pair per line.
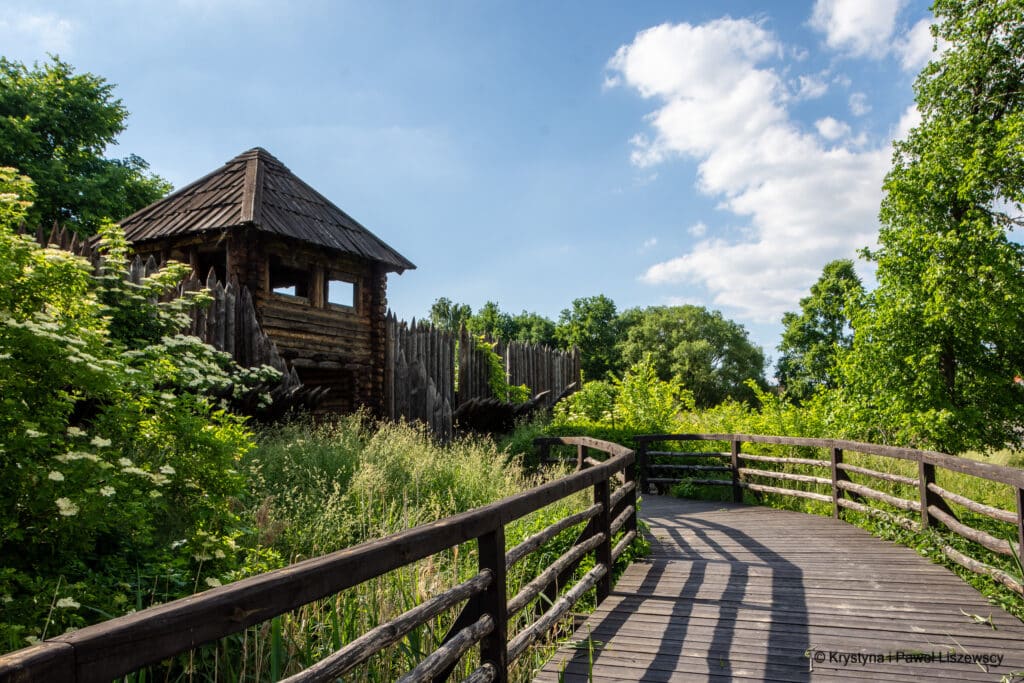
(334,358)
(735,592)
(428,373)
(929,503)
(230,322)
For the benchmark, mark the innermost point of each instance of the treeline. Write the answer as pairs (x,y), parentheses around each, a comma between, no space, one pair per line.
(709,355)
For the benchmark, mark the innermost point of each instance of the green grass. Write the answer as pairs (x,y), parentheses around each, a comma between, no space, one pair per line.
(317,488)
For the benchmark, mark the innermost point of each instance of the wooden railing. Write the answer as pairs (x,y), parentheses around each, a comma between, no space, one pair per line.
(120,646)
(930,503)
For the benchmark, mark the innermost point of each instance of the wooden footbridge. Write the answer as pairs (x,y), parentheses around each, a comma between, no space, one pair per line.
(729,591)
(739,592)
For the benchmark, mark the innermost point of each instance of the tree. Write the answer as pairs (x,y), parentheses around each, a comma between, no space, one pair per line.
(533,328)
(54,127)
(592,326)
(813,338)
(491,322)
(707,354)
(936,352)
(448,315)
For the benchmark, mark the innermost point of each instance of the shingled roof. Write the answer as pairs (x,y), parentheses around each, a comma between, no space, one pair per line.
(256,189)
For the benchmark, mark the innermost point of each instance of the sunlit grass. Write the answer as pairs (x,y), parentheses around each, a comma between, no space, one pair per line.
(319,487)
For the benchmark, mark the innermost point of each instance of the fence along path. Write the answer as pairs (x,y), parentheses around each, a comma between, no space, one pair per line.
(125,644)
(736,591)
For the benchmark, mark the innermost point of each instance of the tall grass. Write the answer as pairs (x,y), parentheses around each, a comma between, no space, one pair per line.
(319,487)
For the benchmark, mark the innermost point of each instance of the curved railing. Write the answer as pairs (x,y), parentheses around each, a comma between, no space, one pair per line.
(126,644)
(930,503)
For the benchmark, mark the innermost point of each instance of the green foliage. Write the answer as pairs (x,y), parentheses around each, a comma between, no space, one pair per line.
(646,403)
(938,347)
(496,378)
(707,354)
(814,338)
(533,328)
(491,322)
(54,126)
(593,403)
(320,487)
(16,195)
(449,316)
(777,415)
(639,403)
(115,466)
(592,326)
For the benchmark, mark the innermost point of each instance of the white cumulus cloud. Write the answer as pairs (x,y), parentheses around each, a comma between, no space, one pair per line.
(917,46)
(856,27)
(718,98)
(811,87)
(832,129)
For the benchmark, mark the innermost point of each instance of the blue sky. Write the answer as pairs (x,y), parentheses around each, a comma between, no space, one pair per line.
(533,152)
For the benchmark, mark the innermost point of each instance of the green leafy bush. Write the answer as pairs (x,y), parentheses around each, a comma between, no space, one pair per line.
(117,471)
(638,403)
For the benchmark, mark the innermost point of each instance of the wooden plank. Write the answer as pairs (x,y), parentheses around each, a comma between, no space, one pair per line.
(982,538)
(47,661)
(897,478)
(756,589)
(362,648)
(993,512)
(786,461)
(803,478)
(867,492)
(785,492)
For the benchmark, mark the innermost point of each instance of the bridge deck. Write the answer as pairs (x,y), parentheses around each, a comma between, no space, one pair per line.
(741,592)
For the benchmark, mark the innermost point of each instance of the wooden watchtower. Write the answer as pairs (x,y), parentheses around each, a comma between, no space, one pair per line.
(318,278)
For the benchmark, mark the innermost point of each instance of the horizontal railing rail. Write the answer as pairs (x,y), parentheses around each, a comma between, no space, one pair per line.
(930,503)
(114,648)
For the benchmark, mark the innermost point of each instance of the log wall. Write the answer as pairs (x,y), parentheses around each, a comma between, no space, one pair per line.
(429,373)
(361,354)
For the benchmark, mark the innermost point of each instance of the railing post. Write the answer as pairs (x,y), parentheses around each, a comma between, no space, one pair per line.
(631,497)
(1020,524)
(581,456)
(641,465)
(925,476)
(837,474)
(737,492)
(545,453)
(603,552)
(494,601)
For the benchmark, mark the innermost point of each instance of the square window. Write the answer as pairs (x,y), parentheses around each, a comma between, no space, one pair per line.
(341,293)
(288,281)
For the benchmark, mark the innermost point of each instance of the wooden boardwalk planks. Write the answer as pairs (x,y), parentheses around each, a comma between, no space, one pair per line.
(750,593)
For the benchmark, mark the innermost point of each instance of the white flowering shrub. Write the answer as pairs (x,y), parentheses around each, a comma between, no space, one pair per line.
(117,470)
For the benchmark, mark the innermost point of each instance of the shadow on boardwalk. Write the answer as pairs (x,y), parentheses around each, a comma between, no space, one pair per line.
(741,592)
